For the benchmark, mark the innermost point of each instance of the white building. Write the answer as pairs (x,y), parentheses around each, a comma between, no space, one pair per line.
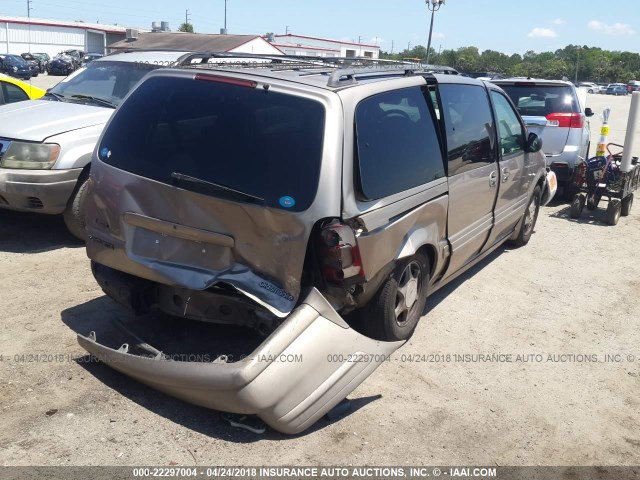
(21,34)
(292,44)
(195,42)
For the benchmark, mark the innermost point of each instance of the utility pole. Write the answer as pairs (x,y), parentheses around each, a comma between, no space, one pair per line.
(433,6)
(409,47)
(186,16)
(286,30)
(577,64)
(391,47)
(225,16)
(360,44)
(29,2)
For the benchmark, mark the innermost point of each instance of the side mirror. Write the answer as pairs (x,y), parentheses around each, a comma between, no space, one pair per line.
(534,143)
(588,112)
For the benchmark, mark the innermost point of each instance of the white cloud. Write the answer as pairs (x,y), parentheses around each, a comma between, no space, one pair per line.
(559,21)
(617,29)
(437,36)
(540,32)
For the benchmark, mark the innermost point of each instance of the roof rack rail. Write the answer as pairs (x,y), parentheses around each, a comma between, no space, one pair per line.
(342,71)
(342,77)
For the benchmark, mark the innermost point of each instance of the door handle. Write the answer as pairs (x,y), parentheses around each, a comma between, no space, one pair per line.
(493,179)
(505,174)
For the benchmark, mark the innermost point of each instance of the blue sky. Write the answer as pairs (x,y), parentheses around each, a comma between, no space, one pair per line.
(509,26)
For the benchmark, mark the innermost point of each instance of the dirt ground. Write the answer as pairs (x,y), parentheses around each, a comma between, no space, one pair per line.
(570,296)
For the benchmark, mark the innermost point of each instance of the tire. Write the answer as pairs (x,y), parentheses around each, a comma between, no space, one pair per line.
(577,205)
(529,219)
(388,317)
(74,214)
(592,205)
(614,209)
(627,203)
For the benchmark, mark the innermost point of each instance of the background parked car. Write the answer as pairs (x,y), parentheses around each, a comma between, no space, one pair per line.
(12,90)
(76,56)
(554,110)
(61,65)
(47,143)
(633,86)
(602,89)
(617,89)
(589,86)
(33,62)
(15,66)
(45,60)
(89,57)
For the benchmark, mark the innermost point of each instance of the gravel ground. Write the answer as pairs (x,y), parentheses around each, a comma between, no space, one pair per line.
(571,291)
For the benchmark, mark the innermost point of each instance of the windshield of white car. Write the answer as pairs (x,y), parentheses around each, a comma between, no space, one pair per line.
(101,82)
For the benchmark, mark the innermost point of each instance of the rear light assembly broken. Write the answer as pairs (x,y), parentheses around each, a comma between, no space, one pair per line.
(340,261)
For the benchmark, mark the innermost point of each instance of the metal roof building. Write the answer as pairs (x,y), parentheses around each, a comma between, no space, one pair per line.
(293,44)
(21,34)
(197,42)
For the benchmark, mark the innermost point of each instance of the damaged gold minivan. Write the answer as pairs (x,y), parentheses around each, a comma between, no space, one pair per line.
(317,204)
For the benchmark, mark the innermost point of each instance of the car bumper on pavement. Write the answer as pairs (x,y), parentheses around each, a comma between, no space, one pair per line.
(564,164)
(42,191)
(550,187)
(307,366)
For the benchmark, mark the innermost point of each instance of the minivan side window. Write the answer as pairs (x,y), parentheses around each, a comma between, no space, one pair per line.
(397,143)
(469,127)
(510,132)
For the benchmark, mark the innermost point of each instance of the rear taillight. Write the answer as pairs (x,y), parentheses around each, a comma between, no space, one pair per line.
(340,260)
(566,120)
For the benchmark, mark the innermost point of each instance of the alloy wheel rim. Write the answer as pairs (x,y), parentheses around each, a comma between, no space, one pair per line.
(408,292)
(530,216)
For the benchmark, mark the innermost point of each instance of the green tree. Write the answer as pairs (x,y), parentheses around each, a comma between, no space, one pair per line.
(186,27)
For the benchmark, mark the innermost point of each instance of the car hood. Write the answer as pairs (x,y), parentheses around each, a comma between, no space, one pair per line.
(36,120)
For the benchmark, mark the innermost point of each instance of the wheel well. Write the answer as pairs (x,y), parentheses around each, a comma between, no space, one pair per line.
(84,174)
(431,253)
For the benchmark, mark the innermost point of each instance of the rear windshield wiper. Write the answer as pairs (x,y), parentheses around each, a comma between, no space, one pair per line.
(96,99)
(210,188)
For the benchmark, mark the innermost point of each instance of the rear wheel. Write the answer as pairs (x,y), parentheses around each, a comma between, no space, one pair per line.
(613,211)
(529,219)
(577,205)
(627,203)
(395,310)
(74,216)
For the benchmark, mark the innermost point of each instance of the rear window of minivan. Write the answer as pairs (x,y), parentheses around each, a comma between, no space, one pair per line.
(542,100)
(261,143)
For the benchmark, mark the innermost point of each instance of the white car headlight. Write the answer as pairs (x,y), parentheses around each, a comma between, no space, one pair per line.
(35,156)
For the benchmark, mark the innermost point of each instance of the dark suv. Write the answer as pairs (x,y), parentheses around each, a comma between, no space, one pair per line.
(319,206)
